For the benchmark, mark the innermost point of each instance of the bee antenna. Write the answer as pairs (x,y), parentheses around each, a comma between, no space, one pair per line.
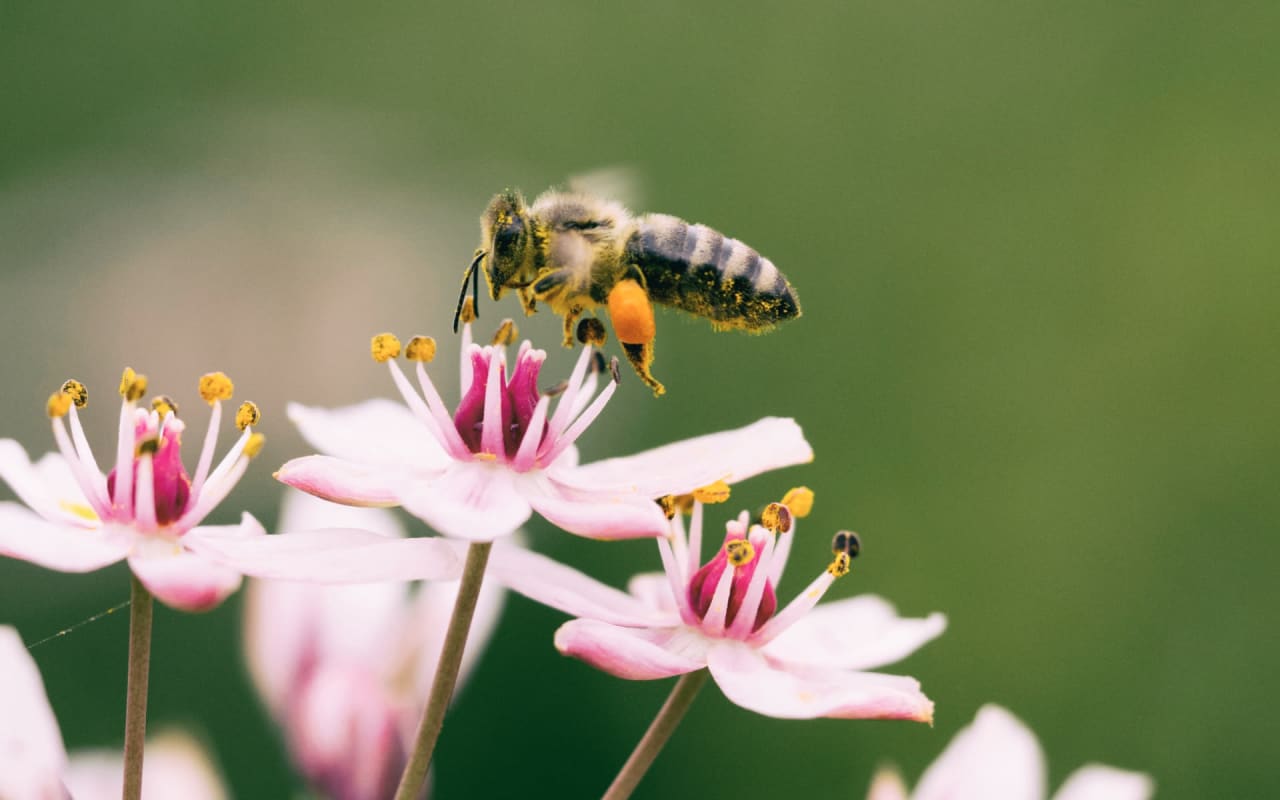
(472,274)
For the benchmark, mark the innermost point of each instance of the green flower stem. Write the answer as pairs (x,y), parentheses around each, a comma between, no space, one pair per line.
(660,730)
(446,677)
(135,704)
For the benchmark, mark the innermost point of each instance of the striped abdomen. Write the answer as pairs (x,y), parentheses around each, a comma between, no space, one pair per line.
(702,271)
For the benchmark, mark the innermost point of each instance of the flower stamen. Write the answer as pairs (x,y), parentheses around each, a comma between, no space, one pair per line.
(384,347)
(740,552)
(58,405)
(800,500)
(77,392)
(132,385)
(215,386)
(247,415)
(717,492)
(505,334)
(421,348)
(164,405)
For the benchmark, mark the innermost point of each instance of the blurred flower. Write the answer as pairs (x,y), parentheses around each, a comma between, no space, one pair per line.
(345,670)
(479,473)
(997,757)
(801,662)
(149,511)
(34,764)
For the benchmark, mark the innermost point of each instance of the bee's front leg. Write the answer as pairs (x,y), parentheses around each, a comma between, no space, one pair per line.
(570,317)
(528,300)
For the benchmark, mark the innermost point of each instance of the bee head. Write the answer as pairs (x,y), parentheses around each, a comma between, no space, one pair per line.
(508,237)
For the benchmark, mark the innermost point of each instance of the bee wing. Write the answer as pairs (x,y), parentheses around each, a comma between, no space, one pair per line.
(621,183)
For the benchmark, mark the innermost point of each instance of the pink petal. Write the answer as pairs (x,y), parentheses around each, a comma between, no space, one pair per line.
(596,515)
(336,555)
(31,753)
(637,654)
(887,785)
(681,467)
(184,580)
(377,432)
(48,487)
(1099,782)
(27,536)
(996,756)
(176,767)
(564,588)
(346,482)
(747,678)
(653,589)
(858,633)
(300,511)
(478,501)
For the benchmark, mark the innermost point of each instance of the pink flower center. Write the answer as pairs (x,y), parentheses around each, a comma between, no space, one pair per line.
(702,586)
(169,478)
(518,399)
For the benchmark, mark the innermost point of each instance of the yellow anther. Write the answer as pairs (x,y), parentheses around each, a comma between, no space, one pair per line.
(163,404)
(799,500)
(421,348)
(839,567)
(215,386)
(776,517)
(132,385)
(254,445)
(505,334)
(384,347)
(717,492)
(148,447)
(79,509)
(591,331)
(740,552)
(668,505)
(468,313)
(247,414)
(77,391)
(59,404)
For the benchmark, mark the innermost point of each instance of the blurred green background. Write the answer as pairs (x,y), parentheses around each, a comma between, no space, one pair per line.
(1036,247)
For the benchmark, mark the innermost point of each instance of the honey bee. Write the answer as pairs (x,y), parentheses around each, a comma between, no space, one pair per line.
(575,252)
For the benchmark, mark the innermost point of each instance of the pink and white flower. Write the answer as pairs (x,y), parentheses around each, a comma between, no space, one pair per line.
(480,472)
(800,662)
(149,511)
(345,670)
(998,756)
(34,764)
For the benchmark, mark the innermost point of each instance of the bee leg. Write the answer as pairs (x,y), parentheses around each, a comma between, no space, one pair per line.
(632,315)
(570,317)
(528,301)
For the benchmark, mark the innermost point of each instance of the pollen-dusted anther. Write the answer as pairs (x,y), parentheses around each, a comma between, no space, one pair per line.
(740,552)
(149,446)
(506,333)
(613,370)
(591,331)
(668,505)
(384,347)
(421,348)
(59,404)
(77,392)
(248,414)
(163,404)
(254,445)
(132,385)
(839,566)
(557,389)
(800,500)
(215,386)
(717,492)
(468,313)
(776,517)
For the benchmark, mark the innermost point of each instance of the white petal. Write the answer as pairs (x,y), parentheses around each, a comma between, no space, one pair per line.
(653,589)
(1099,782)
(564,588)
(638,654)
(32,757)
(857,633)
(996,756)
(747,678)
(176,767)
(48,487)
(300,511)
(27,536)
(681,467)
(596,515)
(377,432)
(477,501)
(348,482)
(184,580)
(335,555)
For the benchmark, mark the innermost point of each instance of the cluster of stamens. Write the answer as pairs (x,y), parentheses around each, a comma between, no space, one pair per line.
(498,419)
(149,486)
